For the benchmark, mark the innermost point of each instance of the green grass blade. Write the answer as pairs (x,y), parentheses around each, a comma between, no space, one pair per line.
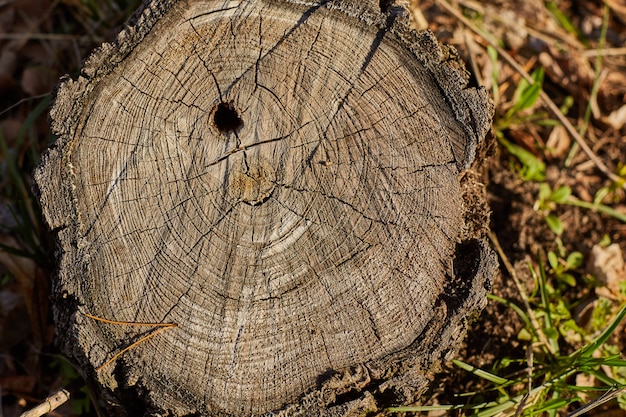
(497,409)
(529,94)
(14,178)
(554,405)
(532,169)
(522,315)
(480,373)
(564,21)
(596,81)
(495,88)
(39,109)
(550,331)
(587,351)
(600,208)
(425,408)
(15,251)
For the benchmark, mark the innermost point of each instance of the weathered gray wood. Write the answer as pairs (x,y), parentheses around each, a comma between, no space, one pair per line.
(281,180)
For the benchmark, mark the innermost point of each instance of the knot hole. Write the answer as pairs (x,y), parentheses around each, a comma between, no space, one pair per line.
(226,119)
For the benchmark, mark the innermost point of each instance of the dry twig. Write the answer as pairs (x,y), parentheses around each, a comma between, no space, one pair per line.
(51,403)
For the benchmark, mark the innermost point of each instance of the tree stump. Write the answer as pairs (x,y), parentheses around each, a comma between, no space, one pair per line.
(274,185)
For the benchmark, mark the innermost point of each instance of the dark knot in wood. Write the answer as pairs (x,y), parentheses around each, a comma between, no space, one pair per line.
(225,118)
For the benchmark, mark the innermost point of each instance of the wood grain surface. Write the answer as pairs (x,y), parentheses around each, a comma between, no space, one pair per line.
(280,180)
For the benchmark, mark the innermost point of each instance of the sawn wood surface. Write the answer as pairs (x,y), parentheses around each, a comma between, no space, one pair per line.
(281,181)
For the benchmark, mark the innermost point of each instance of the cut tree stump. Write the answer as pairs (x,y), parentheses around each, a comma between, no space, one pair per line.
(275,186)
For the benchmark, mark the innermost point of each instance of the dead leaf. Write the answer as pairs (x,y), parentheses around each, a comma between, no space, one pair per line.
(617,118)
(527,138)
(7,17)
(10,129)
(559,142)
(570,69)
(607,265)
(8,62)
(584,184)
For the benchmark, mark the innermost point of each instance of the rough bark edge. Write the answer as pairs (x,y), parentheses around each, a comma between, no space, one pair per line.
(471,106)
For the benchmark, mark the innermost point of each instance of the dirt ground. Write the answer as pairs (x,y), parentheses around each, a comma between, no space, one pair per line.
(40,40)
